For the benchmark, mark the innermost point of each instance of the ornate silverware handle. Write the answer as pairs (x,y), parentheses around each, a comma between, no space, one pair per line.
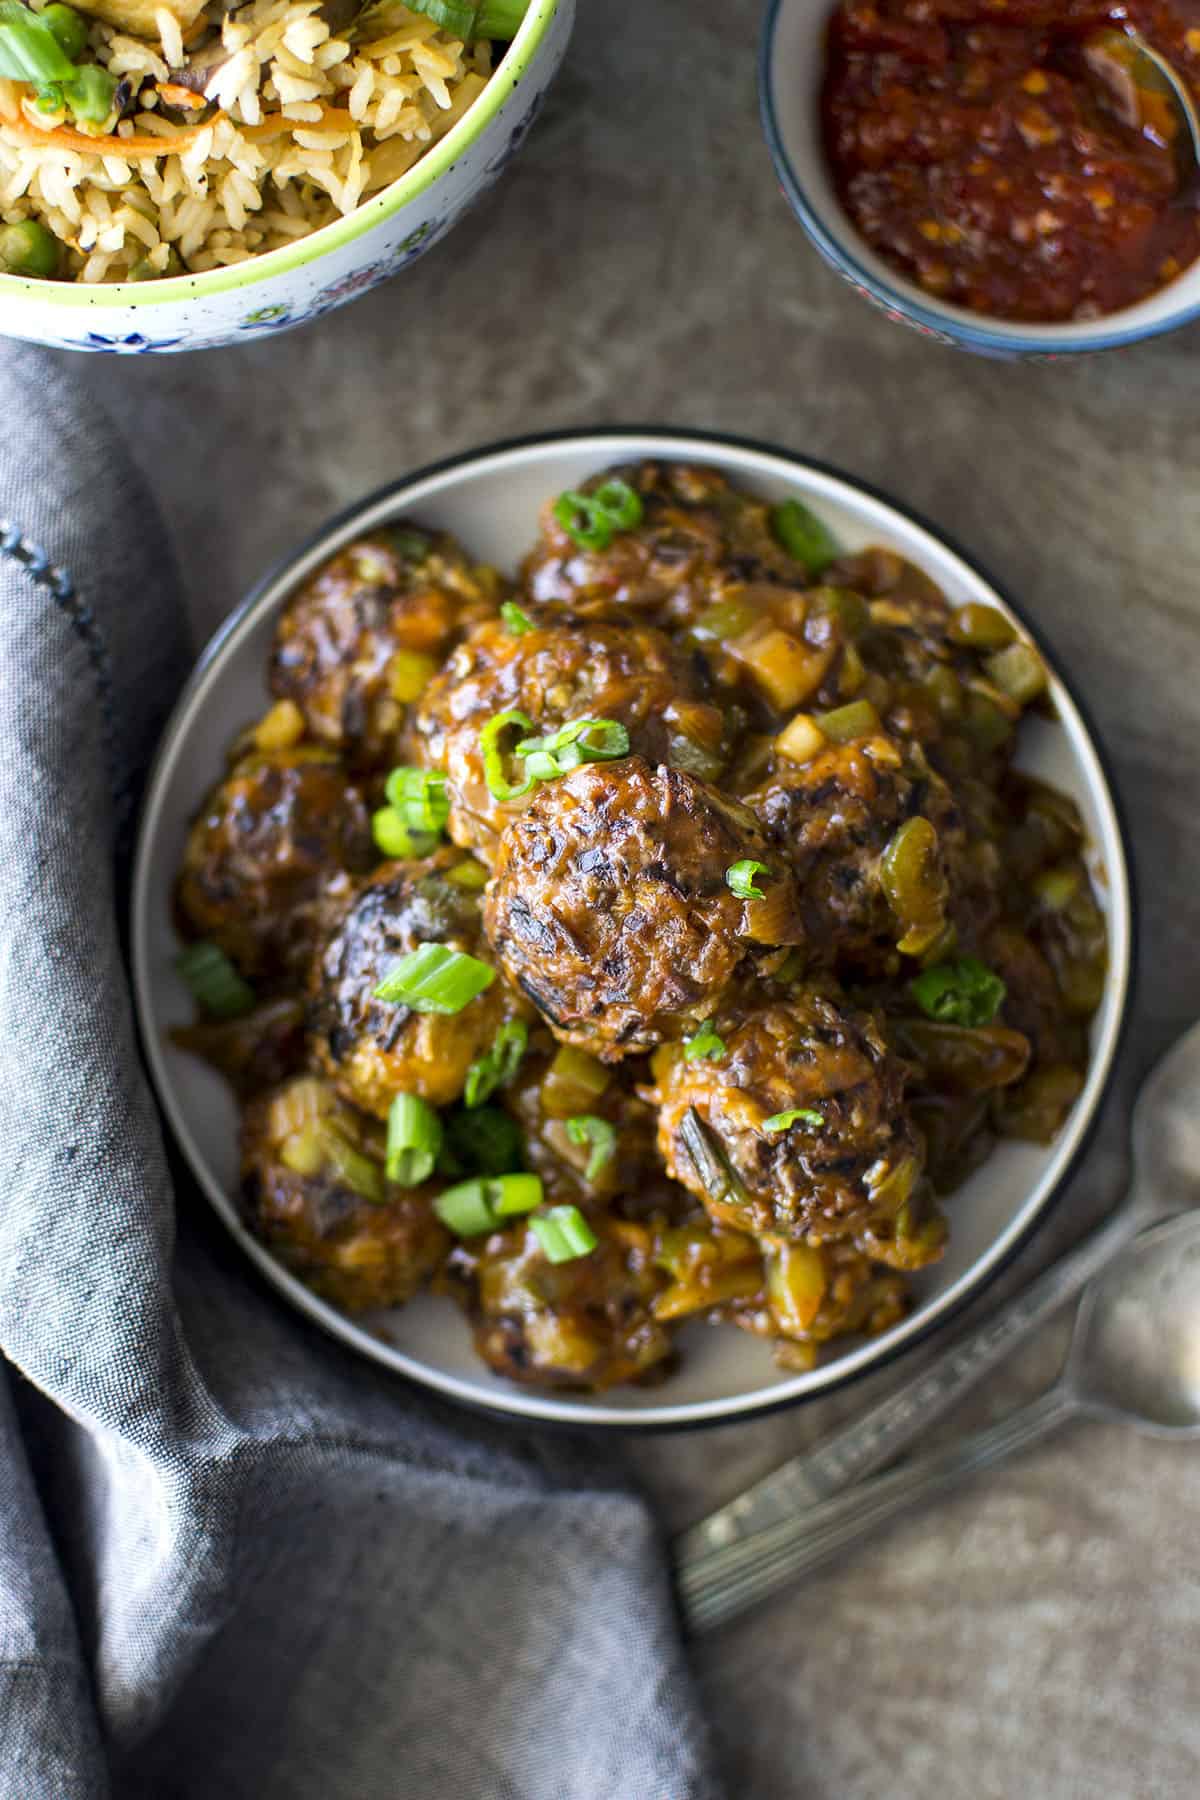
(874,1439)
(788,1550)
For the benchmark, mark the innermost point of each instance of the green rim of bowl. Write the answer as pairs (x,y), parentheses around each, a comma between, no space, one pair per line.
(495,96)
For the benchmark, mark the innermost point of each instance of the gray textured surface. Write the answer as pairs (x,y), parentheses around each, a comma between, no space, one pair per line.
(1040,1635)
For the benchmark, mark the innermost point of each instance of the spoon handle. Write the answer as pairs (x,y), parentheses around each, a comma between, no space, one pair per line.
(878,1436)
(782,1553)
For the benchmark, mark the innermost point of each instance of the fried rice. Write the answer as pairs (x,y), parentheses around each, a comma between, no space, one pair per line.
(253,128)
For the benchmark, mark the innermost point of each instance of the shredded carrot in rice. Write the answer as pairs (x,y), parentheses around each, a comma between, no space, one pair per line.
(63,138)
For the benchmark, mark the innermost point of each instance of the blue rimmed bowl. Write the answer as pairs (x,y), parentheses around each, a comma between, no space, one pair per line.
(301,281)
(791,67)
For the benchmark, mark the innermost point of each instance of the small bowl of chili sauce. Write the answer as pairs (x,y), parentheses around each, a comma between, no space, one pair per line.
(968,167)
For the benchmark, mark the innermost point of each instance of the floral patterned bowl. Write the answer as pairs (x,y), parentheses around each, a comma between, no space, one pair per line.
(302,281)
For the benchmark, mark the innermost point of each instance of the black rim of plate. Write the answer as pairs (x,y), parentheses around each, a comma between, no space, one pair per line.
(712,441)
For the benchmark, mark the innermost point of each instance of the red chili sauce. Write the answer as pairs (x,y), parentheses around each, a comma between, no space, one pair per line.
(979,154)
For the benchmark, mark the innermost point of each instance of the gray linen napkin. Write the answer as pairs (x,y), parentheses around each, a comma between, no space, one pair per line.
(235,1561)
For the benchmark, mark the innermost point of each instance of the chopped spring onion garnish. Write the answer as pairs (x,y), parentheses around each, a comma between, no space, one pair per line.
(965,992)
(516,621)
(393,837)
(564,1234)
(420,797)
(803,536)
(486,1142)
(435,979)
(485,1202)
(30,47)
(546,758)
(583,740)
(68,26)
(499,1065)
(799,1115)
(739,877)
(40,49)
(499,20)
(592,520)
(216,985)
(588,1128)
(499,786)
(414,1138)
(704,1045)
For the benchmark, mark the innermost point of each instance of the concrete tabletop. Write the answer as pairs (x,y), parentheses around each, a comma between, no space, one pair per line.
(1039,1634)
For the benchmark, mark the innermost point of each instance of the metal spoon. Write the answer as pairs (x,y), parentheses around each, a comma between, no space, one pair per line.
(1150,95)
(1134,1357)
(1166,1153)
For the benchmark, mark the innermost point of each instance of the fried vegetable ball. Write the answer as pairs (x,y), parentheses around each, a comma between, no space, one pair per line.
(555,674)
(843,821)
(314,1191)
(611,906)
(273,844)
(583,1324)
(360,640)
(697,534)
(798,1126)
(374,1049)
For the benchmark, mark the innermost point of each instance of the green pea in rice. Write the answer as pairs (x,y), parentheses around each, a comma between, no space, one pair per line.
(307,124)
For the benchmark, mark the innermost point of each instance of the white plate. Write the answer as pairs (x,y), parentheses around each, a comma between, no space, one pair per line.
(490,501)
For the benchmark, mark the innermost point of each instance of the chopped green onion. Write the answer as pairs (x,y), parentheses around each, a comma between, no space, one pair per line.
(29,47)
(704,1045)
(483,1203)
(420,797)
(414,1138)
(435,979)
(515,619)
(803,536)
(739,878)
(798,1115)
(620,504)
(499,786)
(591,521)
(216,985)
(499,1065)
(471,19)
(485,1142)
(69,28)
(563,1234)
(965,992)
(580,741)
(588,1128)
(394,838)
(29,248)
(500,20)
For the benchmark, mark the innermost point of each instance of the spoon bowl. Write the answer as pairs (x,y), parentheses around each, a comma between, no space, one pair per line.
(1135,1354)
(1150,96)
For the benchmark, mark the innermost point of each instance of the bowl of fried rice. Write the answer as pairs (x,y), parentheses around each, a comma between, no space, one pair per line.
(178,175)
